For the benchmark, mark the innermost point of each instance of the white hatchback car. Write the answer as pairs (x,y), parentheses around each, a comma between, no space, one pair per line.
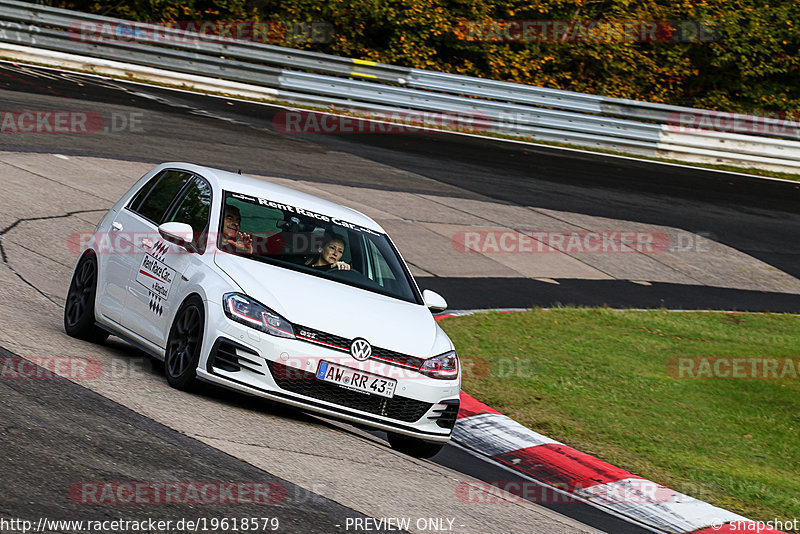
(273,292)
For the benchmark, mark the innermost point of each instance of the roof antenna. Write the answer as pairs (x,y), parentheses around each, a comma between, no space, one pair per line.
(240,171)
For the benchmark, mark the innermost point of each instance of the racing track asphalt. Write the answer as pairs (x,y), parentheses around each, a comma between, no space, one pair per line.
(53,441)
(757,217)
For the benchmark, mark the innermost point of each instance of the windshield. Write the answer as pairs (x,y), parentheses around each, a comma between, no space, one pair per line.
(299,239)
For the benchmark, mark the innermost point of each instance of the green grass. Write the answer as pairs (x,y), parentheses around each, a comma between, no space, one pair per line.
(598,380)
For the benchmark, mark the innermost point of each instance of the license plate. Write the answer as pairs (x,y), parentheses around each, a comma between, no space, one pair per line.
(355,379)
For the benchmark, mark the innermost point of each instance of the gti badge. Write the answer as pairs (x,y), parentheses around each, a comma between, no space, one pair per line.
(360,349)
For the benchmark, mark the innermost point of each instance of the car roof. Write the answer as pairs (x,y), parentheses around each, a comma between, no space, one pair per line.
(256,187)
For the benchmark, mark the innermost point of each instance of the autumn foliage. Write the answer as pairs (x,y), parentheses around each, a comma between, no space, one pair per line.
(748,61)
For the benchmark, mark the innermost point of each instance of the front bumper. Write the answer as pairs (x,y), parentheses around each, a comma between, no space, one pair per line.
(284,370)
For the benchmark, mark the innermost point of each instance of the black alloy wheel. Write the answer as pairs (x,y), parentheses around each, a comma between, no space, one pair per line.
(183,345)
(79,308)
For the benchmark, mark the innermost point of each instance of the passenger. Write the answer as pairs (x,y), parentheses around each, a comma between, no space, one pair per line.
(329,255)
(232,238)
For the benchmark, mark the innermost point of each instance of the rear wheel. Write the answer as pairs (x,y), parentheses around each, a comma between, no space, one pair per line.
(414,447)
(183,345)
(79,308)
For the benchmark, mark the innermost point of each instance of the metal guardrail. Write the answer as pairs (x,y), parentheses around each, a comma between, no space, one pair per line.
(569,100)
(37,17)
(320,79)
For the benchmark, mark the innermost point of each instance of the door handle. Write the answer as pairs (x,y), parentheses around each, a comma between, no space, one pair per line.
(147,243)
(116,226)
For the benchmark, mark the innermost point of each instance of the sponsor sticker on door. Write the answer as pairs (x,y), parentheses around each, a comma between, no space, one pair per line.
(155,276)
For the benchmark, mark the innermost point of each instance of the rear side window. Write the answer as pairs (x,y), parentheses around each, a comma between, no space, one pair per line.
(155,200)
(193,208)
(134,204)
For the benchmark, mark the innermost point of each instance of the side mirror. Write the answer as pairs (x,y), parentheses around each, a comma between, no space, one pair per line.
(434,301)
(179,233)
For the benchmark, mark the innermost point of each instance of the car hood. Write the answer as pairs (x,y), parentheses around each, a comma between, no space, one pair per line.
(336,308)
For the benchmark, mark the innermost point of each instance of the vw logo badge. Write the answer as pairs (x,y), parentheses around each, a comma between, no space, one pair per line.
(360,349)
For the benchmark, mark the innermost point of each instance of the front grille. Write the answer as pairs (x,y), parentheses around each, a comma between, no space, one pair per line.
(305,383)
(322,338)
(230,356)
(446,417)
(343,344)
(391,356)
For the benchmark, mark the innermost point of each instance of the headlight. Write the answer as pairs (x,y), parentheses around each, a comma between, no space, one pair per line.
(243,309)
(444,366)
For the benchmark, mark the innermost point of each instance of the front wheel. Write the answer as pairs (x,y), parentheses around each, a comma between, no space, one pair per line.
(413,446)
(79,308)
(183,345)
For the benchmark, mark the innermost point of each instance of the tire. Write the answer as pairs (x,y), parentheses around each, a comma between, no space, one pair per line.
(183,345)
(414,447)
(79,308)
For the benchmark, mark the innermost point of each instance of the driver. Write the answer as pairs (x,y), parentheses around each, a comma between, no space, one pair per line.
(329,255)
